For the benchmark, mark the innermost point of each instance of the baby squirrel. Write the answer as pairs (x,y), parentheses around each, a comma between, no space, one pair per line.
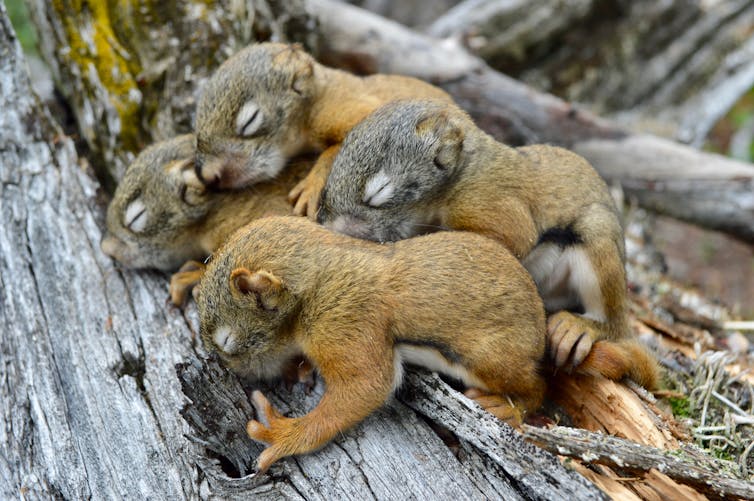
(284,286)
(161,215)
(271,101)
(455,302)
(413,166)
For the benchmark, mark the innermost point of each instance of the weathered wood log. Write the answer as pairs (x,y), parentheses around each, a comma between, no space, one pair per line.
(662,175)
(89,395)
(407,13)
(692,468)
(386,457)
(672,68)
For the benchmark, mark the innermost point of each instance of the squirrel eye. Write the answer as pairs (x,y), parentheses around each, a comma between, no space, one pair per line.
(249,119)
(438,164)
(135,218)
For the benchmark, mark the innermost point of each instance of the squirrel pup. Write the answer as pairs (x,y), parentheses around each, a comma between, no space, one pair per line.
(162,216)
(414,166)
(284,286)
(271,101)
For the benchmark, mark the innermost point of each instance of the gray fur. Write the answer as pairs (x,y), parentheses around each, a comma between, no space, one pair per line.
(418,165)
(171,206)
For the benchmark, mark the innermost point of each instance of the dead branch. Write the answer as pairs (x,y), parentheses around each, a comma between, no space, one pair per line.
(699,471)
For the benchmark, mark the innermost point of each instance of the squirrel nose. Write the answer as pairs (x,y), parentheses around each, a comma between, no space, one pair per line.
(110,246)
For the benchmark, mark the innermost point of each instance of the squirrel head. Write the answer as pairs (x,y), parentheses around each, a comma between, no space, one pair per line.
(156,206)
(247,300)
(392,169)
(250,115)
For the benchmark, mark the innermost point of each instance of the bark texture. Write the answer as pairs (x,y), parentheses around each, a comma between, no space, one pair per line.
(132,71)
(672,68)
(104,391)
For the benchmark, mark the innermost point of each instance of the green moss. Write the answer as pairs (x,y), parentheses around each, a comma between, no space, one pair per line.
(722,454)
(680,406)
(19,18)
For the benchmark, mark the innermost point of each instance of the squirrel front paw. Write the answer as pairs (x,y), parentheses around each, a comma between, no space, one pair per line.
(570,339)
(274,433)
(305,196)
(184,280)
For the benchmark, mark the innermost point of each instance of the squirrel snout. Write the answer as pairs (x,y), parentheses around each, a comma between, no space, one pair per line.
(110,246)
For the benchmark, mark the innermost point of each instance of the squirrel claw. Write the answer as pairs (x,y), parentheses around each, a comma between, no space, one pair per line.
(570,338)
(305,196)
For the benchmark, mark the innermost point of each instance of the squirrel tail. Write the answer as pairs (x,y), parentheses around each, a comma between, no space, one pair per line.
(618,359)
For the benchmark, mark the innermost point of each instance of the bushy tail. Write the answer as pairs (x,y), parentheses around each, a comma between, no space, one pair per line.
(618,359)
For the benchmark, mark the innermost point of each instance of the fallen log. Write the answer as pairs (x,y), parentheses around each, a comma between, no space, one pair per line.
(662,175)
(672,68)
(695,469)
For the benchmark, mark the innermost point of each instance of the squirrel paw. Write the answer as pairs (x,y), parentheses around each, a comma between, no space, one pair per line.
(271,434)
(571,339)
(210,174)
(305,196)
(499,406)
(184,281)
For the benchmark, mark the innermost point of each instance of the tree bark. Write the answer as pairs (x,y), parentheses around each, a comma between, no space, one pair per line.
(691,467)
(664,176)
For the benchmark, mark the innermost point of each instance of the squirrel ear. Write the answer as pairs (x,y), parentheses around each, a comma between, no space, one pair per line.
(449,135)
(266,287)
(299,63)
(302,78)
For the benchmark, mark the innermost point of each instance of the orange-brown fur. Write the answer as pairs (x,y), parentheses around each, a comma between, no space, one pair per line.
(185,221)
(285,287)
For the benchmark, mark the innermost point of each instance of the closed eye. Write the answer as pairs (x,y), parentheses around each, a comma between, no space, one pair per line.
(136,216)
(378,190)
(249,119)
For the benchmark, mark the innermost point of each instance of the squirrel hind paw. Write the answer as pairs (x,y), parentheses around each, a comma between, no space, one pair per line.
(570,339)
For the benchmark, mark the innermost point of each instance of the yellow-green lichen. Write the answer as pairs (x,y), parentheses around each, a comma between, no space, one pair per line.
(94,43)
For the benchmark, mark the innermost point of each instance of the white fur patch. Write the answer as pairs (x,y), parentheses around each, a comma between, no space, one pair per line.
(433,360)
(136,216)
(564,278)
(225,340)
(249,119)
(584,281)
(379,189)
